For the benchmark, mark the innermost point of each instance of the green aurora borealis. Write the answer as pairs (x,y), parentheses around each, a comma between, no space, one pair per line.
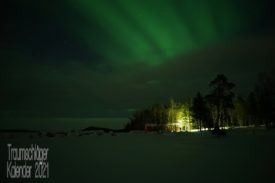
(156,31)
(99,58)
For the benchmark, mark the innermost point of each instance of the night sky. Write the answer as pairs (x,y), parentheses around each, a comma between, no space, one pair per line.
(97,58)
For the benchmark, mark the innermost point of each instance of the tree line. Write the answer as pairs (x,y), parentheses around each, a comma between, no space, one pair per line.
(220,108)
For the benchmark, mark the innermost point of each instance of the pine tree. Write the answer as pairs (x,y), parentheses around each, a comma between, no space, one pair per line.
(200,111)
(221,98)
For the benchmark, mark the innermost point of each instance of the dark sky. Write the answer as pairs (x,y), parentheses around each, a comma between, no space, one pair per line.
(77,58)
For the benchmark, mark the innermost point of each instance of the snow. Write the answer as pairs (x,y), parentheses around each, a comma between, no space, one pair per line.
(244,155)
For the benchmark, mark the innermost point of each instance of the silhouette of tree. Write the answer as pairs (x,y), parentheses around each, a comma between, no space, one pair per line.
(214,109)
(172,111)
(200,111)
(221,99)
(158,114)
(238,116)
(265,95)
(252,108)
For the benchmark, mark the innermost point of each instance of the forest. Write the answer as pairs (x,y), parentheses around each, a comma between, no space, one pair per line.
(220,108)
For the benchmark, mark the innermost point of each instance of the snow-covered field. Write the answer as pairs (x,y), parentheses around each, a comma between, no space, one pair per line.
(243,155)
